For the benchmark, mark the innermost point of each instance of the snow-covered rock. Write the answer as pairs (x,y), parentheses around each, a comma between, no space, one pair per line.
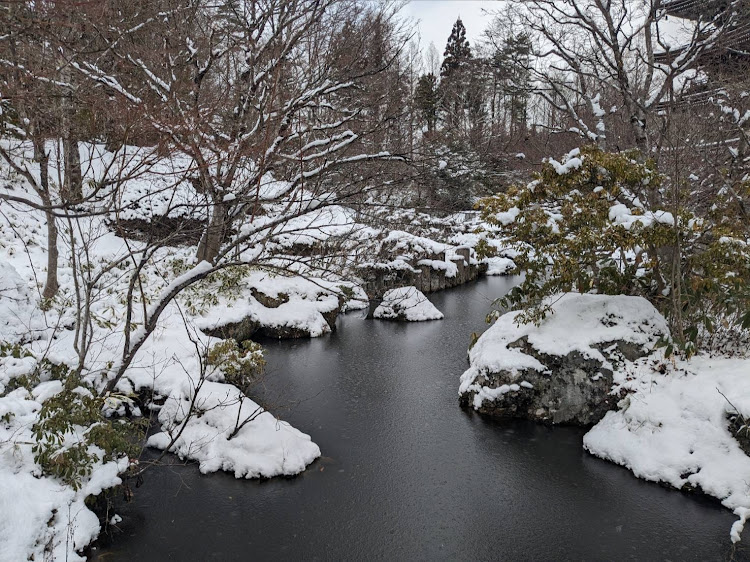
(275,307)
(562,370)
(407,304)
(500,266)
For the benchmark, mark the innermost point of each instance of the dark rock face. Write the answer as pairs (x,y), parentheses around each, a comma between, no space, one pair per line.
(241,331)
(331,315)
(575,390)
(269,301)
(283,332)
(740,429)
(173,231)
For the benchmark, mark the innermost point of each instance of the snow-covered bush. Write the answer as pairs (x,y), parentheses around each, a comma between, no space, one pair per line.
(594,223)
(76,429)
(240,364)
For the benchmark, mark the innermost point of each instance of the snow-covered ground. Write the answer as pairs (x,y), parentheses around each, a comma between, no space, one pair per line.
(673,427)
(40,516)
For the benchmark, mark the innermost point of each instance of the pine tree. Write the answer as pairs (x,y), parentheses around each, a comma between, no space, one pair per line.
(427,99)
(510,62)
(457,50)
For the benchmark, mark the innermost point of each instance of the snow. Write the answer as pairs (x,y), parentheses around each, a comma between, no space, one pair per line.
(41,518)
(407,303)
(572,161)
(622,215)
(450,268)
(405,242)
(673,428)
(266,447)
(19,315)
(499,266)
(597,319)
(509,216)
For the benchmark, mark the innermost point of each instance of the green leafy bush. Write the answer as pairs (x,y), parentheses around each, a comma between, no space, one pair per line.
(72,432)
(239,364)
(593,223)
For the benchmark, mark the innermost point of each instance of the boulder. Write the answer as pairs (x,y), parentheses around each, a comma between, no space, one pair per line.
(561,371)
(406,304)
(241,330)
(278,308)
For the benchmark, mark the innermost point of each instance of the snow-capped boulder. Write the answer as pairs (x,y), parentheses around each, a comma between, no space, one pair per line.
(500,266)
(407,304)
(562,370)
(275,307)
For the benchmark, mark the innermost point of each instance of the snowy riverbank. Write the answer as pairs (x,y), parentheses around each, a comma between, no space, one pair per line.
(672,421)
(203,415)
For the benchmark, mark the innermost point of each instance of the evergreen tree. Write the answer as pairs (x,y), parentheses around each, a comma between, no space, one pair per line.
(427,99)
(510,63)
(457,50)
(455,77)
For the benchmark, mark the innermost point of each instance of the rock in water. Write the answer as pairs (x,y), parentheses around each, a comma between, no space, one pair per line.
(560,371)
(407,304)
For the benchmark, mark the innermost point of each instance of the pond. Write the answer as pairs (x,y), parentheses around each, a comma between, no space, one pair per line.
(407,474)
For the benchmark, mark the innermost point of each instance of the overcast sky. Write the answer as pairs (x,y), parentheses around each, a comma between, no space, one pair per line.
(436,18)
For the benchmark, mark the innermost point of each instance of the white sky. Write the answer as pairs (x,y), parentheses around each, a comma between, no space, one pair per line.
(436,18)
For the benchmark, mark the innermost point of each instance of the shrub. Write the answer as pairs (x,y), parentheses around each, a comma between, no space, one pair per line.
(592,224)
(72,432)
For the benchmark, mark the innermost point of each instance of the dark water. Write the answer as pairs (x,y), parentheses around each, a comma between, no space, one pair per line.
(408,475)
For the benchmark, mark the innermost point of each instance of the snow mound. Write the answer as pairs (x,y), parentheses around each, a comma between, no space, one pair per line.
(19,317)
(407,303)
(674,429)
(264,447)
(499,266)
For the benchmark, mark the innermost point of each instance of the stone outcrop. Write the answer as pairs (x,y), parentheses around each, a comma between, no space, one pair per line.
(575,389)
(242,330)
(407,304)
(277,316)
(428,273)
(562,371)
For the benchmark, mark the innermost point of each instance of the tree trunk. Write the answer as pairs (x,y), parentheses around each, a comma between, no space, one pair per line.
(51,284)
(214,235)
(73,181)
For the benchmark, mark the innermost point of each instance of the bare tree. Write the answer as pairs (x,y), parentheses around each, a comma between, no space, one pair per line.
(243,91)
(597,62)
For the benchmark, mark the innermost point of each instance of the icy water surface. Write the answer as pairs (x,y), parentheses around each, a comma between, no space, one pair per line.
(408,475)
